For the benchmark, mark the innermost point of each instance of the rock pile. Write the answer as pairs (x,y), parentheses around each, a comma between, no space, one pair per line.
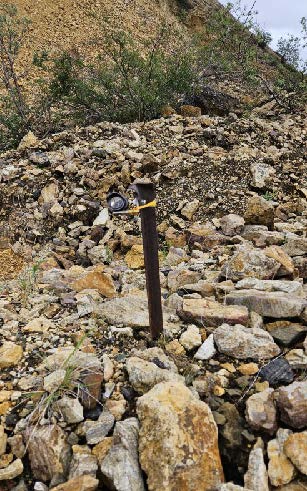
(87,400)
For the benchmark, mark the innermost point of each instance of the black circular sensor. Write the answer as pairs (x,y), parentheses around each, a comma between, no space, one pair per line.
(117,202)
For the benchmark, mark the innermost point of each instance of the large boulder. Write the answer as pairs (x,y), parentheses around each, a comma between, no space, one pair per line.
(178,440)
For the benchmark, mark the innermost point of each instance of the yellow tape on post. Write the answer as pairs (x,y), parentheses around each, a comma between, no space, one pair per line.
(136,210)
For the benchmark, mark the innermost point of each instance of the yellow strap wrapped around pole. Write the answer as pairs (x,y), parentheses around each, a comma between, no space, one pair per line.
(136,210)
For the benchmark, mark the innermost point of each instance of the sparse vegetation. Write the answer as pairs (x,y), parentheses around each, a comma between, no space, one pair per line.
(127,82)
(27,281)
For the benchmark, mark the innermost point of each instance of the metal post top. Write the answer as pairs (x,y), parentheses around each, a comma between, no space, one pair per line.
(144,190)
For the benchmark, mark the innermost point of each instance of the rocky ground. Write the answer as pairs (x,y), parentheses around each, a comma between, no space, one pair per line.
(219,402)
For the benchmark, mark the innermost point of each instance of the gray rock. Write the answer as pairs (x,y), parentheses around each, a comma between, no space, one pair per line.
(83,463)
(287,333)
(131,311)
(295,246)
(144,375)
(120,468)
(261,174)
(242,342)
(277,372)
(71,409)
(95,431)
(292,287)
(261,411)
(232,224)
(292,403)
(256,477)
(268,304)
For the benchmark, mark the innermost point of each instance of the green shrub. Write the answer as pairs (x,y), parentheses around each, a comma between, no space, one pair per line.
(125,84)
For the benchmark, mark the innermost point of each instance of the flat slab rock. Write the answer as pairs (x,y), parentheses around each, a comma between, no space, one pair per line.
(268,304)
(243,342)
(132,311)
(208,312)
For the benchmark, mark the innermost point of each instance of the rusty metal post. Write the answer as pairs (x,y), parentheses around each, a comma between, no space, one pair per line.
(146,193)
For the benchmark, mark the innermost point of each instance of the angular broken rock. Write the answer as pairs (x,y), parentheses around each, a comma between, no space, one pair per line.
(297,359)
(144,375)
(130,310)
(120,467)
(277,372)
(261,411)
(95,431)
(280,469)
(12,470)
(71,409)
(232,224)
(277,253)
(96,280)
(10,354)
(208,312)
(268,304)
(285,332)
(82,462)
(295,447)
(292,403)
(259,211)
(178,444)
(3,440)
(181,277)
(49,453)
(261,174)
(292,287)
(79,483)
(249,262)
(207,350)
(295,246)
(256,477)
(243,342)
(87,369)
(191,338)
